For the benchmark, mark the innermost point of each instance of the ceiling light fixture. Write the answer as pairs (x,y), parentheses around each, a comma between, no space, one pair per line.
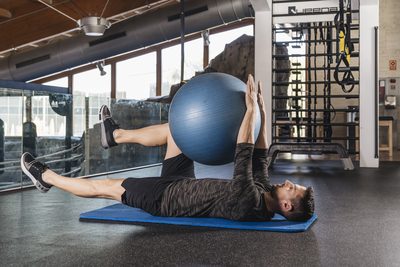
(92,26)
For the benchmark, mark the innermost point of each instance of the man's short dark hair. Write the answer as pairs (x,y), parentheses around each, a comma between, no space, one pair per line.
(302,208)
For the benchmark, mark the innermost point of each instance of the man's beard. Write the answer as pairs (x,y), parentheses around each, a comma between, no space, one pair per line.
(273,192)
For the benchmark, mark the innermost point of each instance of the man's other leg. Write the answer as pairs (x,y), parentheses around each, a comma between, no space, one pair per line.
(103,188)
(44,179)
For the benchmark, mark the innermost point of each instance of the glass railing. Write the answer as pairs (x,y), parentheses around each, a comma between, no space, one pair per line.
(64,132)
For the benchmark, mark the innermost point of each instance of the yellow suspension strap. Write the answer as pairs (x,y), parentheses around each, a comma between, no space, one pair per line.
(345,48)
(341,41)
(348,44)
(182,83)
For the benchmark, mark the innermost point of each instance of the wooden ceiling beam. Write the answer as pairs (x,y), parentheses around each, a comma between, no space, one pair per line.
(4,13)
(50,2)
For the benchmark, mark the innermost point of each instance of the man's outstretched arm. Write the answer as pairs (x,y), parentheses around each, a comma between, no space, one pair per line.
(242,174)
(246,131)
(260,155)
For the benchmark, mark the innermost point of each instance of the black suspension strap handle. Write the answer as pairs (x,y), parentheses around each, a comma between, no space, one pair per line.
(347,77)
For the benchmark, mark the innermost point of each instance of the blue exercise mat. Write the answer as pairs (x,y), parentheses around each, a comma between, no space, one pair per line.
(121,212)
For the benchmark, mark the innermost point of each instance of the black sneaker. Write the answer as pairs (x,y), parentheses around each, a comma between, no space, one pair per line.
(34,170)
(108,126)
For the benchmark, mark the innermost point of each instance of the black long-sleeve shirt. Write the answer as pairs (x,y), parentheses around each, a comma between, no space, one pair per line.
(239,199)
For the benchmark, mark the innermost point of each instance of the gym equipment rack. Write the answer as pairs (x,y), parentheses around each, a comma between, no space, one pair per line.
(314,81)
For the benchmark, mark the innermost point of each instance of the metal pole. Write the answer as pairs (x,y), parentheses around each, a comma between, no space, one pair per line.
(376,94)
(182,39)
(68,135)
(87,139)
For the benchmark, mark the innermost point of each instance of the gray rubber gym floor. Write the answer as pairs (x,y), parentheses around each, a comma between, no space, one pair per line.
(358,225)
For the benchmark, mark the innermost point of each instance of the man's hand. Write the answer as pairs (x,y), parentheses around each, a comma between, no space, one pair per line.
(251,94)
(261,141)
(260,101)
(246,131)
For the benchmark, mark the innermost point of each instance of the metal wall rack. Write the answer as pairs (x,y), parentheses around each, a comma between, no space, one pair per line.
(316,85)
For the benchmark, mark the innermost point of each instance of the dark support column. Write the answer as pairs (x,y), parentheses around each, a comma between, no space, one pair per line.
(87,138)
(70,83)
(29,131)
(206,56)
(69,124)
(2,145)
(159,72)
(68,135)
(113,93)
(28,108)
(113,80)
(206,51)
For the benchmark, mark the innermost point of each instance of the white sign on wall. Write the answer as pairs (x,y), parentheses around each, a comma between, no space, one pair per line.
(308,11)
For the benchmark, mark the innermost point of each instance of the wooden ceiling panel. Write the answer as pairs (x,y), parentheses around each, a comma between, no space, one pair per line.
(32,20)
(43,25)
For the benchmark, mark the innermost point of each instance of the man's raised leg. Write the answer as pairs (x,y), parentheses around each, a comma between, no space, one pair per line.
(155,135)
(112,134)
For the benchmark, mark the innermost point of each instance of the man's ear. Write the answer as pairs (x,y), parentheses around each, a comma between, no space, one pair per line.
(287,206)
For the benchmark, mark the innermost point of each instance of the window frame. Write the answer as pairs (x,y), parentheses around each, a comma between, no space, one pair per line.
(155,48)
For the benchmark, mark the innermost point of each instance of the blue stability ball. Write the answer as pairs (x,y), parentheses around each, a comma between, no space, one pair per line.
(205,117)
